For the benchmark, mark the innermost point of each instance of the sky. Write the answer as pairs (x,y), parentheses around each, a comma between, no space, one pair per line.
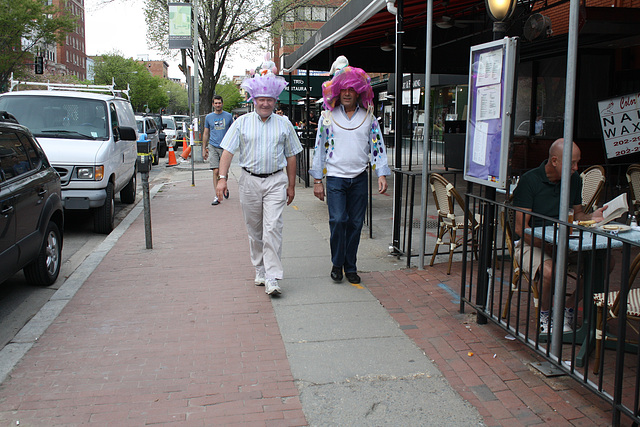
(118,26)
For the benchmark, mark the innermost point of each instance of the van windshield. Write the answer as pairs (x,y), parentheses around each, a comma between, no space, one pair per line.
(59,116)
(169,123)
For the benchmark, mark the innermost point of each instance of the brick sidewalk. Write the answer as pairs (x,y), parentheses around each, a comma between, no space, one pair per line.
(177,334)
(497,379)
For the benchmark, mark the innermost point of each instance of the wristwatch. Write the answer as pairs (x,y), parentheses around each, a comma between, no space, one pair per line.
(222,177)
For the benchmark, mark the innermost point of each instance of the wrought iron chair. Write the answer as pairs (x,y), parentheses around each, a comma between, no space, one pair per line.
(446,197)
(612,301)
(507,220)
(633,176)
(592,184)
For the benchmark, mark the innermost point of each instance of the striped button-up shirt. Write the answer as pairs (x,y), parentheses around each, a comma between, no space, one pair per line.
(264,146)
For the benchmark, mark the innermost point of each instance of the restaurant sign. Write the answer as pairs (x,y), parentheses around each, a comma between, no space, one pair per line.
(298,85)
(620,122)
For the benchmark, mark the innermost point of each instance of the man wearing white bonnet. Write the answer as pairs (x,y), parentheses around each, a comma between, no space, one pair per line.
(267,144)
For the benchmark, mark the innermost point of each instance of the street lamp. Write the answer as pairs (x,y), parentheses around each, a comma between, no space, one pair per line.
(500,11)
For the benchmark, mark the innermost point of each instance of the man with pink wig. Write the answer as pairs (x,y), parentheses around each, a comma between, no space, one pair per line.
(348,138)
(267,145)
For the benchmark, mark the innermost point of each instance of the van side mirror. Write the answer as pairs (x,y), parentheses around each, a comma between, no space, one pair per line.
(127,133)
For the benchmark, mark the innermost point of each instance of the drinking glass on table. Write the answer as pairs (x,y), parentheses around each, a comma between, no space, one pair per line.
(570,220)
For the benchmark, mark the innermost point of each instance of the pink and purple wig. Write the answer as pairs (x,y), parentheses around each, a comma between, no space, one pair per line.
(348,77)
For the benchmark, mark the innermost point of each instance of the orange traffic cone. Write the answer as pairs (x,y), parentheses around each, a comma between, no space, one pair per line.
(185,152)
(184,143)
(172,157)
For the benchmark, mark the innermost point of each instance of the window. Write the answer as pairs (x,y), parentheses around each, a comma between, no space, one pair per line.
(318,14)
(13,158)
(290,16)
(289,37)
(304,14)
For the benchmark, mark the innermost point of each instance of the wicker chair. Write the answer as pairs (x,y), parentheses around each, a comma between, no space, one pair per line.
(507,220)
(592,185)
(633,176)
(612,301)
(446,197)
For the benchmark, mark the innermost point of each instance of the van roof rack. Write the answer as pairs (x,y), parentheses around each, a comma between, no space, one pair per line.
(75,87)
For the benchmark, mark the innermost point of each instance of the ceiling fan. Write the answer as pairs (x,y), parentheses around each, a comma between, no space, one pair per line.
(448,22)
(387,45)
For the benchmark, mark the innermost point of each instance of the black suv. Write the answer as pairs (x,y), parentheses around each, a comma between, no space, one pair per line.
(162,142)
(31,213)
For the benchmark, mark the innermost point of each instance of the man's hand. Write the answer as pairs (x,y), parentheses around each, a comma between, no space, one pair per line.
(382,184)
(205,154)
(221,189)
(318,191)
(291,193)
(597,214)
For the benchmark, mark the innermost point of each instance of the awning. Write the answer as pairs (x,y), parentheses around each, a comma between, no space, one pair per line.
(284,98)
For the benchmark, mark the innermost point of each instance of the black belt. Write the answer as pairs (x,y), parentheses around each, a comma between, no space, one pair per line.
(260,175)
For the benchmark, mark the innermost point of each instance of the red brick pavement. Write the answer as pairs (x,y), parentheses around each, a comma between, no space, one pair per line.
(177,334)
(497,378)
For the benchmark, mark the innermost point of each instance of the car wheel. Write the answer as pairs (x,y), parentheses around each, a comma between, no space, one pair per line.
(104,216)
(128,193)
(163,150)
(45,268)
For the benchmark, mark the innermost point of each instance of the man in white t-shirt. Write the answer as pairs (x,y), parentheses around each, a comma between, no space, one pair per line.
(348,138)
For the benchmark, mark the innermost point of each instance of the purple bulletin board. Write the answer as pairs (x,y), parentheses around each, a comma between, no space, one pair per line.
(491,85)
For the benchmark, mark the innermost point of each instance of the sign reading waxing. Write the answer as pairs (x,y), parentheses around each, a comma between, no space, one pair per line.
(620,122)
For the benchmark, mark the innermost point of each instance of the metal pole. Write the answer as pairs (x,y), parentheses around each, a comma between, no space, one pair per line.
(147,209)
(397,181)
(425,135)
(570,92)
(196,79)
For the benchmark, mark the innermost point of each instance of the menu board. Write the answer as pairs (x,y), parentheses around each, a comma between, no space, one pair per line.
(620,122)
(491,86)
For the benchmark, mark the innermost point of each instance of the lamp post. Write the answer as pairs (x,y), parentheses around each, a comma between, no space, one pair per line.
(500,11)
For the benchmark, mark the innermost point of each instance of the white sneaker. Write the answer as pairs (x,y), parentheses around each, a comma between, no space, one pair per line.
(545,323)
(259,280)
(271,287)
(568,320)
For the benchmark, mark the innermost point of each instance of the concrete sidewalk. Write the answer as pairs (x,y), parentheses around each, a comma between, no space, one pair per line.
(180,334)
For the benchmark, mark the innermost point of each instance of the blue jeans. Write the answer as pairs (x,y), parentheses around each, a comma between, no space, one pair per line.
(347,202)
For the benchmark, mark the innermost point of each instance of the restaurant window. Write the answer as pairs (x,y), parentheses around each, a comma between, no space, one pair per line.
(522,122)
(549,95)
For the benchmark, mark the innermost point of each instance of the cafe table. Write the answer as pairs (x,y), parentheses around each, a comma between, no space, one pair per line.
(594,265)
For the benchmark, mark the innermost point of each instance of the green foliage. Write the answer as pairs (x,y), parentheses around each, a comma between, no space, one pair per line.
(229,92)
(27,26)
(146,90)
(221,25)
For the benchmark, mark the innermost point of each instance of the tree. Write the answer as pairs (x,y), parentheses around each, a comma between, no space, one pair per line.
(27,25)
(221,24)
(229,92)
(146,90)
(178,97)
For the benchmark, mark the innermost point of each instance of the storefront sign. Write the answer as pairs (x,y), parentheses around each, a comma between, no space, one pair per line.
(620,122)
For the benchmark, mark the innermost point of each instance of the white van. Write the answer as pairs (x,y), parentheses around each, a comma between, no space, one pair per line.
(89,138)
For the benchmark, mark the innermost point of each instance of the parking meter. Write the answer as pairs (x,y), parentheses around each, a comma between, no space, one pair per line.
(144,166)
(144,153)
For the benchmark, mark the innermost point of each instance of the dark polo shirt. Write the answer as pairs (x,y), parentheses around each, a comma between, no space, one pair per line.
(536,192)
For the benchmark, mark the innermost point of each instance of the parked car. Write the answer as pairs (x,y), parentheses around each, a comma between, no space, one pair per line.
(162,137)
(31,212)
(180,119)
(89,138)
(148,125)
(170,128)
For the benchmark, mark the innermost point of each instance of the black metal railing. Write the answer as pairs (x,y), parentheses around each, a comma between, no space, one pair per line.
(599,262)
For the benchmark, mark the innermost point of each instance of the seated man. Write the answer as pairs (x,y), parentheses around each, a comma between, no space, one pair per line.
(538,191)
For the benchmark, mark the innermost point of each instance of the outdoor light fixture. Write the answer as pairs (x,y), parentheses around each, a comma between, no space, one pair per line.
(500,10)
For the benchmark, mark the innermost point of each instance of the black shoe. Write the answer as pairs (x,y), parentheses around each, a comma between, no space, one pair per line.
(215,202)
(336,274)
(226,195)
(353,278)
